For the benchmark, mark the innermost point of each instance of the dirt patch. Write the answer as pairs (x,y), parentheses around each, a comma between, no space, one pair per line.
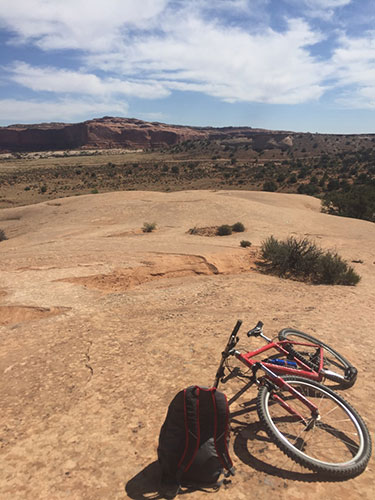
(9,315)
(211,231)
(169,266)
(134,232)
(204,231)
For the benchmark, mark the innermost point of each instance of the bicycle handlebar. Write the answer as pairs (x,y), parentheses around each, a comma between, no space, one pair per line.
(236,327)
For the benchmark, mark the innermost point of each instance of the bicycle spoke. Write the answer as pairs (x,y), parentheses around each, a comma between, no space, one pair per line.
(332,438)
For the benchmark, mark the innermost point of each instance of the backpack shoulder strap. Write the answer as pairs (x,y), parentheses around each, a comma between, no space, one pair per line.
(221,426)
(192,430)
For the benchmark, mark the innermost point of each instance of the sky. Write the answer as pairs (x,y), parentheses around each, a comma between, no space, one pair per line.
(300,65)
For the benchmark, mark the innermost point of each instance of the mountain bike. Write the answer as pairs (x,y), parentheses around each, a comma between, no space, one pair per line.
(308,421)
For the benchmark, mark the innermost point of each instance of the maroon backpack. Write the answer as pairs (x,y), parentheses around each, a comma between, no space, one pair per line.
(193,441)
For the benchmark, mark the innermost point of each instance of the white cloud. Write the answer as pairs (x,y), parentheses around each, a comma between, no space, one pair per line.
(225,5)
(57,80)
(226,62)
(185,52)
(329,4)
(91,25)
(324,9)
(66,110)
(354,66)
(150,48)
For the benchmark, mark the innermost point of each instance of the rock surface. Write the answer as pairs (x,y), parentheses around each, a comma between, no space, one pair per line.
(128,133)
(101,324)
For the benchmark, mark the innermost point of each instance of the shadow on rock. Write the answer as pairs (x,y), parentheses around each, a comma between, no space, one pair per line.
(145,484)
(251,443)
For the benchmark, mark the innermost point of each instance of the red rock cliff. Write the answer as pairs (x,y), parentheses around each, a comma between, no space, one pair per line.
(100,133)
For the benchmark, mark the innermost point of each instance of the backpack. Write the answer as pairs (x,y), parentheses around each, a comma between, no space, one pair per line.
(193,441)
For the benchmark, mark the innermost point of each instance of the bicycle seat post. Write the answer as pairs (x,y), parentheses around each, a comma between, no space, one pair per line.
(265,337)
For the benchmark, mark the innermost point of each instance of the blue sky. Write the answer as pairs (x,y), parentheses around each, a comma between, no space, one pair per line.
(302,65)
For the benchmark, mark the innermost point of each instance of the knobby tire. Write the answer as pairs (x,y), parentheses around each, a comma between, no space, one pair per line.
(334,361)
(338,446)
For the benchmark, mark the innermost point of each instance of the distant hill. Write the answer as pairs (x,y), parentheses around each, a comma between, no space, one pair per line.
(129,133)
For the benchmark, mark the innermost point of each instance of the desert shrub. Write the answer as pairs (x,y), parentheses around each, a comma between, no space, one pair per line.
(148,227)
(333,185)
(245,243)
(270,186)
(357,202)
(333,270)
(303,260)
(2,235)
(43,189)
(94,191)
(293,256)
(309,189)
(224,230)
(238,227)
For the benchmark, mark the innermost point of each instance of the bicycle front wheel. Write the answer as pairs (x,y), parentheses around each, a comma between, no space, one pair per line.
(337,444)
(335,366)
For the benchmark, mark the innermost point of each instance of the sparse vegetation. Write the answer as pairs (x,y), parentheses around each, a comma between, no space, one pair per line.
(329,170)
(238,227)
(245,243)
(333,270)
(303,260)
(148,227)
(224,230)
(2,235)
(357,202)
(270,186)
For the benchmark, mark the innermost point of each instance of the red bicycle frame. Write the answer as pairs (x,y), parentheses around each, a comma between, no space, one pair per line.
(302,371)
(274,373)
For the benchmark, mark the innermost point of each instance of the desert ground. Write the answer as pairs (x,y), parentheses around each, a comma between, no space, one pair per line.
(102,324)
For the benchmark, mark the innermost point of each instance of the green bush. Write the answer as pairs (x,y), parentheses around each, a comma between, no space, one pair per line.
(148,227)
(224,230)
(297,257)
(245,243)
(303,260)
(270,186)
(2,235)
(357,202)
(238,227)
(332,270)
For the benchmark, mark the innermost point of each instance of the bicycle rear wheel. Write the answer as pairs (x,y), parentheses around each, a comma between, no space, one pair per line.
(337,445)
(335,366)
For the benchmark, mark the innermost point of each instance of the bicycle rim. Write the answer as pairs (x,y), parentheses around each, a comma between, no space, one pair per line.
(335,366)
(337,445)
